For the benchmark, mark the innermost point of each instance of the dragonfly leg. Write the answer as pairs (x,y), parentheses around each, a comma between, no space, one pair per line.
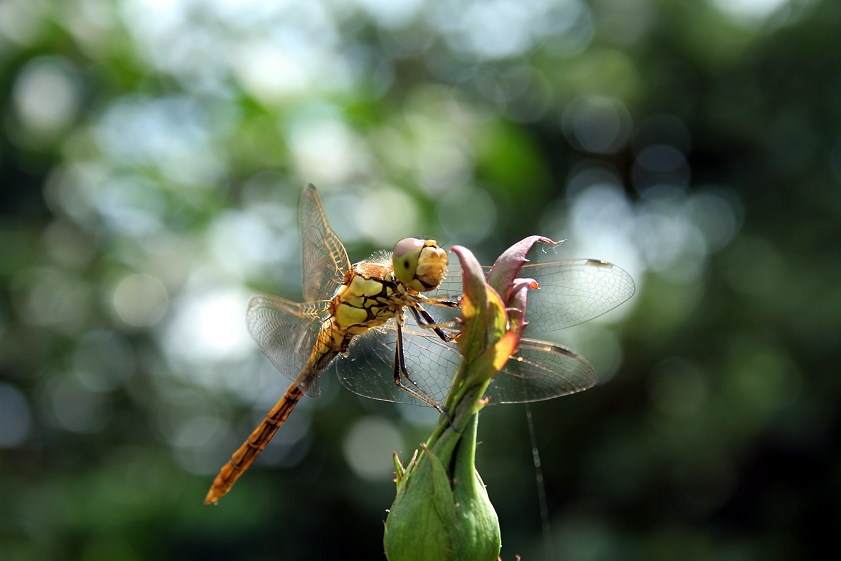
(423,319)
(427,321)
(400,373)
(444,302)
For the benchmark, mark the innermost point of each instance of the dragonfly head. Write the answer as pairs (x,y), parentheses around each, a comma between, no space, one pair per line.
(419,264)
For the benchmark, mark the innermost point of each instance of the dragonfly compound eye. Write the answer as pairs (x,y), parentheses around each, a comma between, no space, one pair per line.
(405,259)
(419,264)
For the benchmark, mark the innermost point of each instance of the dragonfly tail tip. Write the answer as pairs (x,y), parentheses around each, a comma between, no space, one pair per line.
(212,498)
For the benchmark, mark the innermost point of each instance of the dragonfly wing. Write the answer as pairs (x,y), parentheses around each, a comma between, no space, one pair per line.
(431,362)
(368,367)
(449,291)
(286,332)
(538,371)
(452,286)
(324,257)
(571,291)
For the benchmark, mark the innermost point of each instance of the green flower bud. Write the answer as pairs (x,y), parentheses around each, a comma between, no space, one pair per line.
(443,514)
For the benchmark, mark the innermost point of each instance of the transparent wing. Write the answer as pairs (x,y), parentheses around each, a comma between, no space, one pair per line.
(368,367)
(324,257)
(571,292)
(286,331)
(538,371)
(541,370)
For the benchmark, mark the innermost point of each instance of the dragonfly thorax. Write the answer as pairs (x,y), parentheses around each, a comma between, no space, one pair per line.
(369,297)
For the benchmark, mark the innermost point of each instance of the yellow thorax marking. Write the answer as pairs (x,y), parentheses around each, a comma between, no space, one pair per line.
(362,300)
(347,315)
(366,287)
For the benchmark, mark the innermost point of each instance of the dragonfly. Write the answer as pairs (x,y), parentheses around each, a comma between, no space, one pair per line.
(388,327)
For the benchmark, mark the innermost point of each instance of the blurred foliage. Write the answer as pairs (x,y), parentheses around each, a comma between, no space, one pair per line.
(151,158)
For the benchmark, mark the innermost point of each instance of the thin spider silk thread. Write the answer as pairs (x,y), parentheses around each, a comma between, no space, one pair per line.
(541,491)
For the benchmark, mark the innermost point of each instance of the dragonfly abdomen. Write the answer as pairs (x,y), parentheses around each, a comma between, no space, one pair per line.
(242,459)
(245,455)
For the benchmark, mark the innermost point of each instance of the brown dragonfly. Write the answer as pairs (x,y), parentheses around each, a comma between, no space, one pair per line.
(355,320)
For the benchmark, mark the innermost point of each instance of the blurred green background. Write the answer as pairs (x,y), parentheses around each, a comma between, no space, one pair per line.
(151,159)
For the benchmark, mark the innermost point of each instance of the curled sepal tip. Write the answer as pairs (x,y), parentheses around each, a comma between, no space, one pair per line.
(507,266)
